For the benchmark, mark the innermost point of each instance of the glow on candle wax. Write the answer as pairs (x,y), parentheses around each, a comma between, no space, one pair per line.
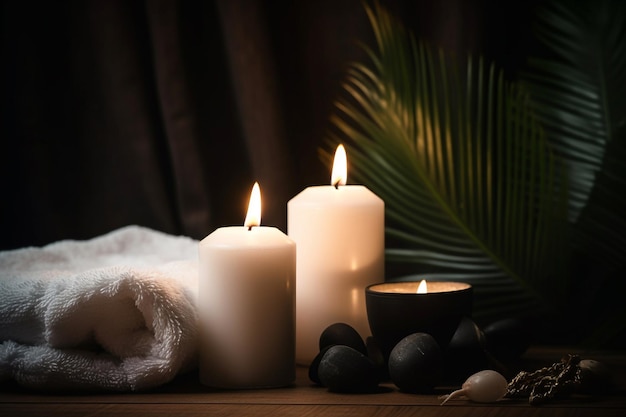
(422,288)
(339,234)
(247,304)
(411,287)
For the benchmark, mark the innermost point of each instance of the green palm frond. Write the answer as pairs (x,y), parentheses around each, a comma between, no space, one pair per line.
(471,189)
(579,94)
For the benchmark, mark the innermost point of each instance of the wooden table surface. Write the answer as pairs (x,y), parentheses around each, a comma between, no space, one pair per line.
(186,397)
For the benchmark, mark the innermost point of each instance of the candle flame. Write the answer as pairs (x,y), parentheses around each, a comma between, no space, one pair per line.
(253,217)
(422,288)
(340,168)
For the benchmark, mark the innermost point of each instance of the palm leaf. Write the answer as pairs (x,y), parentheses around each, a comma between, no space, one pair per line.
(579,93)
(470,187)
(580,97)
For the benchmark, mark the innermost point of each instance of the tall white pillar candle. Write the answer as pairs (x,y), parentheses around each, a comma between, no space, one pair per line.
(339,235)
(247,305)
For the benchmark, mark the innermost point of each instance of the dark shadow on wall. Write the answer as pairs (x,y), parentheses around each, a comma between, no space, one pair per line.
(163,113)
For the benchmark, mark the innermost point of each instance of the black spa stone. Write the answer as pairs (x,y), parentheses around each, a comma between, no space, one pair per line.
(416,363)
(375,353)
(344,369)
(465,354)
(314,366)
(507,339)
(342,334)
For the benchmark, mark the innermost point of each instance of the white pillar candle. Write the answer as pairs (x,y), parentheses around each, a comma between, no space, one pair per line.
(339,233)
(247,305)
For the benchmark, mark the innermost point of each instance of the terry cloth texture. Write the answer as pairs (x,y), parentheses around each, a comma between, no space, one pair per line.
(116,312)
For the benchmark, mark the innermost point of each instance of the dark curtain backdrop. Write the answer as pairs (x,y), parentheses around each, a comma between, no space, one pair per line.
(163,113)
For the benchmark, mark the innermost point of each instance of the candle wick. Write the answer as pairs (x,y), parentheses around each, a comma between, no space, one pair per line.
(249,228)
(336,184)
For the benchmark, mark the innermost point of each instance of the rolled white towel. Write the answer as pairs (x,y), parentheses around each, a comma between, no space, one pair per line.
(116,312)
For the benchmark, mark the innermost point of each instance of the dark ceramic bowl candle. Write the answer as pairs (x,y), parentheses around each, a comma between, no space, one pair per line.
(396,310)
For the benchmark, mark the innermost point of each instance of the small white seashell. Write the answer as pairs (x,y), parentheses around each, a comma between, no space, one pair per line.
(483,387)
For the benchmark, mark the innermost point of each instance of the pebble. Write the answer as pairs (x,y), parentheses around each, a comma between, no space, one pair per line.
(416,363)
(342,334)
(345,369)
(508,339)
(465,354)
(313,368)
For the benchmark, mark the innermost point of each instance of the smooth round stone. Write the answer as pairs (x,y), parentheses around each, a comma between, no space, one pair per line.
(375,353)
(344,369)
(314,366)
(465,354)
(342,334)
(416,363)
(508,339)
(595,377)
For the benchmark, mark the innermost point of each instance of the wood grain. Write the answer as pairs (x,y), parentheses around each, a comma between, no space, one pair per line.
(187,397)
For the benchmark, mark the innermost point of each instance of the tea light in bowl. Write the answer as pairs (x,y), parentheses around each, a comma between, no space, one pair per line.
(398,309)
